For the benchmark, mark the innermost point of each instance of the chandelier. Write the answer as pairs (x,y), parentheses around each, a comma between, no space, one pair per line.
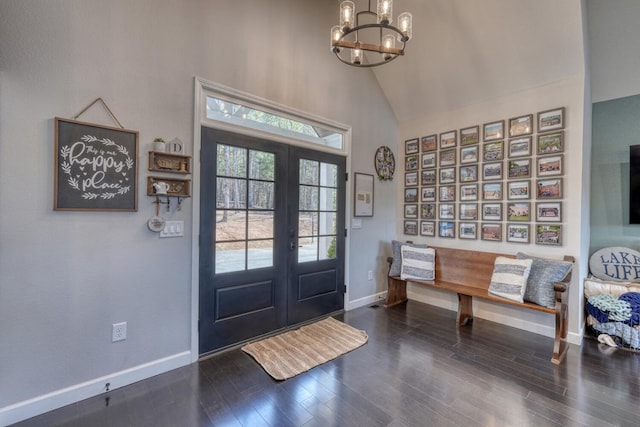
(372,41)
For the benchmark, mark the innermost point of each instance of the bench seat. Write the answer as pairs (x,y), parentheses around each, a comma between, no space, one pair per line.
(468,274)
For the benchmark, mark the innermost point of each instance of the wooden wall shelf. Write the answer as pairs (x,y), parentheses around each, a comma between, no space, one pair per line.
(177,187)
(169,162)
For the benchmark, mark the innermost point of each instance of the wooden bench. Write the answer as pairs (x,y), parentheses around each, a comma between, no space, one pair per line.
(468,274)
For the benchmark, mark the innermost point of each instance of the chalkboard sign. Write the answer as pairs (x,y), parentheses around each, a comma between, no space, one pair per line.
(96,167)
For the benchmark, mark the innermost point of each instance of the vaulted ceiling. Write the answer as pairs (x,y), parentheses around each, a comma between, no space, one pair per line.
(467,51)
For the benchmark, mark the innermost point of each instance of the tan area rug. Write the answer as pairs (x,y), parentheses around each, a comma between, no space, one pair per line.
(291,353)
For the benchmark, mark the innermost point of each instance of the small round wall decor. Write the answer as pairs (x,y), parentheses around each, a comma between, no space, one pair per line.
(385,163)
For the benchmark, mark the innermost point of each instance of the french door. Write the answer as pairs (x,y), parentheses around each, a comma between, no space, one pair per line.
(272,237)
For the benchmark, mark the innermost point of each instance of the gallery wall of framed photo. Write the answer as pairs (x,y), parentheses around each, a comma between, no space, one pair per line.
(497,181)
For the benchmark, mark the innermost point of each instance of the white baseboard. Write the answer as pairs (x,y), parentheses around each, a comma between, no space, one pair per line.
(361,302)
(75,393)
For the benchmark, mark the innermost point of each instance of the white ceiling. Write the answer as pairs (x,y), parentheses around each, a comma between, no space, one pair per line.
(467,51)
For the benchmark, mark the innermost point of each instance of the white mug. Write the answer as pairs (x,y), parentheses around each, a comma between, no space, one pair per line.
(160,187)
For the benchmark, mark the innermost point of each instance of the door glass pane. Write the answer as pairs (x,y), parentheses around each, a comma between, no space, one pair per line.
(328,175)
(327,223)
(260,254)
(231,225)
(307,249)
(261,195)
(327,247)
(309,172)
(232,161)
(231,193)
(308,224)
(260,225)
(230,257)
(308,198)
(261,165)
(328,199)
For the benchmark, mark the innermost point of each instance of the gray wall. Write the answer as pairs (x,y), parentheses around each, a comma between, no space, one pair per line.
(65,277)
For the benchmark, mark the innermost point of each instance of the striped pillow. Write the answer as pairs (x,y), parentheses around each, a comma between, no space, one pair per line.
(417,263)
(509,278)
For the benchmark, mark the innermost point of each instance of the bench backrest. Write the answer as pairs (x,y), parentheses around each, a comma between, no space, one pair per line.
(465,267)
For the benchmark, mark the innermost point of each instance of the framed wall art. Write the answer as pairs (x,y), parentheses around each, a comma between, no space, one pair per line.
(549,234)
(549,188)
(468,230)
(470,135)
(411,179)
(429,160)
(447,175)
(520,147)
(428,177)
(549,212)
(491,191)
(468,211)
(492,171)
(519,211)
(492,151)
(469,173)
(551,120)
(427,228)
(491,232)
(447,193)
(411,146)
(469,192)
(363,194)
(447,211)
(429,143)
(518,190)
(411,162)
(492,211)
(522,125)
(428,194)
(447,229)
(411,211)
(410,195)
(428,211)
(550,143)
(519,168)
(448,139)
(493,131)
(469,154)
(411,227)
(549,165)
(448,157)
(95,167)
(518,233)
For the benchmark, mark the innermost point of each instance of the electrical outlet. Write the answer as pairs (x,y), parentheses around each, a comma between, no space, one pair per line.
(119,332)
(369,275)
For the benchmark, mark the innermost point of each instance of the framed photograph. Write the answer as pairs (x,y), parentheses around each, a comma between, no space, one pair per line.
(447,229)
(428,194)
(520,147)
(518,190)
(549,234)
(427,228)
(410,195)
(551,120)
(518,233)
(549,212)
(411,211)
(429,160)
(492,151)
(522,125)
(448,139)
(447,211)
(550,143)
(470,135)
(411,228)
(411,146)
(468,230)
(411,179)
(491,171)
(491,232)
(469,154)
(447,175)
(468,211)
(519,211)
(549,188)
(469,173)
(469,192)
(447,193)
(519,168)
(429,143)
(493,131)
(428,211)
(363,194)
(95,167)
(428,177)
(492,211)
(492,191)
(448,157)
(411,162)
(549,165)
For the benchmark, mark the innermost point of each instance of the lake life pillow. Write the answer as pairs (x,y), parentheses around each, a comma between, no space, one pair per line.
(509,278)
(544,273)
(418,263)
(396,265)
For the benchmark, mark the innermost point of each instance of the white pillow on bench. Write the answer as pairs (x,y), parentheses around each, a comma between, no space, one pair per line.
(509,278)
(418,263)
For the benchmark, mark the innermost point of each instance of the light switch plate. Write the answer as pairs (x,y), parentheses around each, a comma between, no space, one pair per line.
(173,229)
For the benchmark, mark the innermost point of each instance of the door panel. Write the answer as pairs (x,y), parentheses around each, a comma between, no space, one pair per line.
(272,239)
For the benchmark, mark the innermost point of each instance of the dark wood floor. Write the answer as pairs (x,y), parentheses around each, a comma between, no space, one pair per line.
(417,369)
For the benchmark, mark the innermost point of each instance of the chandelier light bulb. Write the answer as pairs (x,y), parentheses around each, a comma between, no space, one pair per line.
(385,11)
(405,25)
(347,14)
(356,56)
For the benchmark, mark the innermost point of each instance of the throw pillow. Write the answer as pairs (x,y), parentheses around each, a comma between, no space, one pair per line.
(417,263)
(544,273)
(396,265)
(509,278)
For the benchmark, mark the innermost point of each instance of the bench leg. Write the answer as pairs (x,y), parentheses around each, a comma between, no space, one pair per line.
(560,345)
(396,292)
(465,310)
